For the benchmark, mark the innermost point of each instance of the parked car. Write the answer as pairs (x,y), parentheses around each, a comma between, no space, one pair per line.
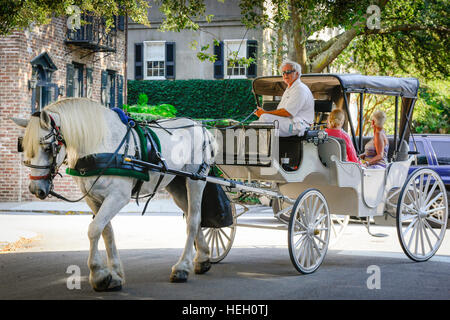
(434,152)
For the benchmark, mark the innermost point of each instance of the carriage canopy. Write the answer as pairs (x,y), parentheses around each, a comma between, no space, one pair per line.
(338,87)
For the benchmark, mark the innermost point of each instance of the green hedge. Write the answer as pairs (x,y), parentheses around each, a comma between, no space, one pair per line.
(198,98)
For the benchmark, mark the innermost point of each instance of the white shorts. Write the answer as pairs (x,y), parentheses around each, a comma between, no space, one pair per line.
(286,125)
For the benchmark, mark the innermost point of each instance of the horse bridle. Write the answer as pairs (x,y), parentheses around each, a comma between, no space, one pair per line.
(53,149)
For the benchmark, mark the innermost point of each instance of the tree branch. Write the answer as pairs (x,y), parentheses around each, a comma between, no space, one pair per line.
(406,28)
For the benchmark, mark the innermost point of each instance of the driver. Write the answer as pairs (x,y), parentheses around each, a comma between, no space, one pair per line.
(295,112)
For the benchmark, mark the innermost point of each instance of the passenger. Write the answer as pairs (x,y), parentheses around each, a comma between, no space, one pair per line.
(335,123)
(295,112)
(376,150)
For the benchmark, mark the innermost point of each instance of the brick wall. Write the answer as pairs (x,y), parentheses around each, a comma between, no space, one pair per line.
(16,52)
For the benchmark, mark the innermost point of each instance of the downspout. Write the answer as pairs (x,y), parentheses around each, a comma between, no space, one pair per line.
(125,86)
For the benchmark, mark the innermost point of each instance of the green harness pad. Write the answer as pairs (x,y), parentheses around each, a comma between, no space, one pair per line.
(120,171)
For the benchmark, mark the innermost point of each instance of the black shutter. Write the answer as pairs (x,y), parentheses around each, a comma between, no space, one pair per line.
(119,91)
(170,60)
(218,64)
(89,82)
(112,90)
(70,71)
(121,24)
(252,52)
(103,87)
(138,61)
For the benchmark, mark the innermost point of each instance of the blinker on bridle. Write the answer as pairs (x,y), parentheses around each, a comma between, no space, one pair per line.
(54,148)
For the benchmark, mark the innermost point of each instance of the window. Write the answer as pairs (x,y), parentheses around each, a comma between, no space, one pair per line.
(235,50)
(442,150)
(228,51)
(421,157)
(154,60)
(108,88)
(78,88)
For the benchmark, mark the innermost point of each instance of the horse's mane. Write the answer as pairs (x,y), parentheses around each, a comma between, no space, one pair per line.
(83,127)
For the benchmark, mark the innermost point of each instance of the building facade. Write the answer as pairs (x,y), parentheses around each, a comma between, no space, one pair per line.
(156,55)
(43,64)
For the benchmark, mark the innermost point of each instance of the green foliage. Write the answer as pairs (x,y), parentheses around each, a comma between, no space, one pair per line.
(20,14)
(200,99)
(144,112)
(432,110)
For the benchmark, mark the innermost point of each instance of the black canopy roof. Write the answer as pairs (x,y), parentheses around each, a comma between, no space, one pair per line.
(327,83)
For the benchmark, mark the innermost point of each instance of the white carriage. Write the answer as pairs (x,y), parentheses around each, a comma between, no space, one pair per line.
(314,189)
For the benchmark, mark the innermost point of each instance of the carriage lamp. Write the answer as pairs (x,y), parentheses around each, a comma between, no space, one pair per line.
(32,83)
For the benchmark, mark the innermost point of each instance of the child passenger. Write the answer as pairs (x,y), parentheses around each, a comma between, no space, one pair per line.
(335,123)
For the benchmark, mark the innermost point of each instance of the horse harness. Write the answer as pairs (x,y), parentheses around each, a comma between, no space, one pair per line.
(53,149)
(108,163)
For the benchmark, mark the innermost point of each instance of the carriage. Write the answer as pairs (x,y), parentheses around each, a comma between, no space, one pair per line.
(313,189)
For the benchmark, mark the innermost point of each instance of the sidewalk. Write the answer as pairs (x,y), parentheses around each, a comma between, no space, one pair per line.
(10,238)
(65,208)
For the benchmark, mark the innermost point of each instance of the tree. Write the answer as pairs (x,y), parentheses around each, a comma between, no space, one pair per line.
(20,14)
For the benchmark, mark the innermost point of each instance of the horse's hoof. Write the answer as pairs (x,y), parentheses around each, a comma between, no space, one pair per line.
(202,267)
(179,276)
(104,284)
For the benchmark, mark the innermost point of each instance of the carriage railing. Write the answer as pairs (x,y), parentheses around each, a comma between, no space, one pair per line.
(250,144)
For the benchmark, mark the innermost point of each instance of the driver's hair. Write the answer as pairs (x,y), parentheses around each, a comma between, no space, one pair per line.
(294,66)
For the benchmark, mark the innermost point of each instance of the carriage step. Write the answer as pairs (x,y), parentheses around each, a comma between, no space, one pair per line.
(262,222)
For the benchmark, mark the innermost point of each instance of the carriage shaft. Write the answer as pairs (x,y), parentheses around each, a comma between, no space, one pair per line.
(221,181)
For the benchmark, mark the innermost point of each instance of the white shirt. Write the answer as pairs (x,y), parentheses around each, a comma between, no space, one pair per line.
(299,102)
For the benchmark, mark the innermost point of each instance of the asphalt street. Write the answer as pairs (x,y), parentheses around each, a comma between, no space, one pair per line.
(258,266)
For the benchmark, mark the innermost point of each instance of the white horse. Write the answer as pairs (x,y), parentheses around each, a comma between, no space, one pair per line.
(86,127)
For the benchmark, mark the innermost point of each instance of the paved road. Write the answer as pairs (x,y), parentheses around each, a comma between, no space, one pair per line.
(258,266)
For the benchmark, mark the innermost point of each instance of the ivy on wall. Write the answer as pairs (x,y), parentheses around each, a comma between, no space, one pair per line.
(212,99)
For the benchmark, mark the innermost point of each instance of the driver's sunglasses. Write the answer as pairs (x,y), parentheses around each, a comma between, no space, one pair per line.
(287,72)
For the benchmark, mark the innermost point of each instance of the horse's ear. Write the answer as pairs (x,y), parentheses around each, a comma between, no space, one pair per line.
(20,122)
(47,117)
(45,120)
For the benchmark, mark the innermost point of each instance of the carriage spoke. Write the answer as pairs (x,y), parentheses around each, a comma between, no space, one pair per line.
(319,221)
(435,209)
(427,185)
(323,242)
(221,241)
(430,193)
(434,200)
(431,229)
(426,234)
(421,239)
(432,219)
(412,236)
(225,235)
(406,217)
(410,226)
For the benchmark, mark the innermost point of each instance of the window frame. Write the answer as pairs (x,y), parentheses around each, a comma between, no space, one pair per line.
(241,54)
(145,60)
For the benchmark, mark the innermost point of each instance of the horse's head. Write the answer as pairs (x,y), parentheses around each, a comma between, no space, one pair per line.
(44,148)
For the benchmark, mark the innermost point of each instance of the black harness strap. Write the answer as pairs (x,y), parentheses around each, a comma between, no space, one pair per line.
(164,168)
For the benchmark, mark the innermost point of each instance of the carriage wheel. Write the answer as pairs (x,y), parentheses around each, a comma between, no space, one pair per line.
(338,225)
(309,231)
(422,201)
(220,240)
